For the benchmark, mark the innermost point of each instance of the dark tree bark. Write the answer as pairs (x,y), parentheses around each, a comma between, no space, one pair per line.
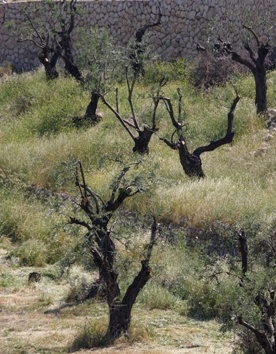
(65,40)
(120,311)
(136,57)
(49,64)
(244,252)
(142,141)
(255,62)
(191,162)
(53,43)
(91,110)
(103,252)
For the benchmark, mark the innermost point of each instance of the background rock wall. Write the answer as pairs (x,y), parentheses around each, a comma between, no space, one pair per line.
(184,23)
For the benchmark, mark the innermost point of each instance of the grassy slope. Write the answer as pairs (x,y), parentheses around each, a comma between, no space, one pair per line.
(40,145)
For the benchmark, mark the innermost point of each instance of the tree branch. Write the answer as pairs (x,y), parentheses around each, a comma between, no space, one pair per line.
(130,92)
(253,33)
(117,184)
(227,139)
(80,222)
(121,120)
(244,252)
(169,108)
(145,272)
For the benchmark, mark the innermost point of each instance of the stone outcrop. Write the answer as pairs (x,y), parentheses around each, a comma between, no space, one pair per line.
(184,23)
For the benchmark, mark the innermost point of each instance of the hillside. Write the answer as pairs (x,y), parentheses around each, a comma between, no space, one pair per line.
(182,307)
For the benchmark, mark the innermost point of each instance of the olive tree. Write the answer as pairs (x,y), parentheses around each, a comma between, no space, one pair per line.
(139,131)
(103,248)
(191,161)
(252,52)
(49,26)
(101,62)
(255,60)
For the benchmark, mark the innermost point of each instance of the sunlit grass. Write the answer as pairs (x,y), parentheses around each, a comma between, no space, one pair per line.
(40,146)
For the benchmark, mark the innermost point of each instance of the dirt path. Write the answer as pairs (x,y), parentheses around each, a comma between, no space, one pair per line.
(26,329)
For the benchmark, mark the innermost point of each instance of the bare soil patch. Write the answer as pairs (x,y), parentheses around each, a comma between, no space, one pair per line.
(26,329)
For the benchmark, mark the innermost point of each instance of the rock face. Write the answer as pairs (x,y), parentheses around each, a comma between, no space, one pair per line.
(184,23)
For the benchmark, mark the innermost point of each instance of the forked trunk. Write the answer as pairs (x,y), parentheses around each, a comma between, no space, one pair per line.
(119,321)
(120,311)
(142,141)
(191,164)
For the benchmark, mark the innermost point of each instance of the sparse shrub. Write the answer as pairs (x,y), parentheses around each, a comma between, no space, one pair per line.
(21,104)
(45,299)
(6,69)
(210,70)
(90,336)
(31,253)
(78,290)
(172,71)
(157,297)
(209,299)
(6,280)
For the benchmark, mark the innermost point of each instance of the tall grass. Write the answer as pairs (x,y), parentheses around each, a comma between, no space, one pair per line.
(40,146)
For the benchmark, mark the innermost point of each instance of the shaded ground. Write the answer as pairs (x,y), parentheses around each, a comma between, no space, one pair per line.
(26,329)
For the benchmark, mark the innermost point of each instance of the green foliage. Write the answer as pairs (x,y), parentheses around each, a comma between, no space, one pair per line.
(172,71)
(99,59)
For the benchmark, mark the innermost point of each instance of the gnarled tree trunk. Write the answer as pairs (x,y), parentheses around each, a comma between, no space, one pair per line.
(103,251)
(49,64)
(141,143)
(255,62)
(261,90)
(191,162)
(120,311)
(91,110)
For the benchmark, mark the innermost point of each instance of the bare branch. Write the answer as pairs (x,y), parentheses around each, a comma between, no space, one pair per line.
(236,57)
(156,103)
(169,108)
(253,33)
(247,325)
(80,222)
(83,178)
(227,139)
(33,27)
(117,184)
(179,103)
(250,51)
(145,272)
(172,145)
(130,87)
(152,241)
(121,120)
